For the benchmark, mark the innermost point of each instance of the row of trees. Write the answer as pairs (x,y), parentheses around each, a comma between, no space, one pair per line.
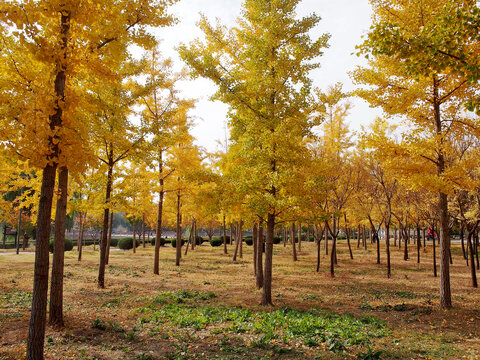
(74,102)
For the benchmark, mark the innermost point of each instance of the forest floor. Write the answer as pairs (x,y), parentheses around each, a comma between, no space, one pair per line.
(208,308)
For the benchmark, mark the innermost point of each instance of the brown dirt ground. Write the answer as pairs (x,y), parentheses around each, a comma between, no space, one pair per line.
(408,302)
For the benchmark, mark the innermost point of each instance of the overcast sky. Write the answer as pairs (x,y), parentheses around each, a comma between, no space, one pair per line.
(345,20)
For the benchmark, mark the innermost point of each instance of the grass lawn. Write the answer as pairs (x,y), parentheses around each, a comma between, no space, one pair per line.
(208,308)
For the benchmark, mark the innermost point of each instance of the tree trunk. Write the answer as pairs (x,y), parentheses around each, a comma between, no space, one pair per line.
(191,239)
(259,259)
(358,236)
(110,228)
(156,260)
(434,255)
(476,250)
(255,246)
(56,286)
(299,236)
(240,237)
(225,251)
(106,212)
(364,235)
(419,244)
(267,278)
(377,239)
(143,230)
(80,235)
(463,241)
(36,331)
(387,248)
(237,243)
(347,233)
(405,243)
(134,242)
(472,259)
(326,239)
(179,232)
(294,247)
(38,315)
(318,241)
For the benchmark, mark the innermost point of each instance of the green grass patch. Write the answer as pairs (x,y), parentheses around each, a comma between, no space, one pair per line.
(16,298)
(313,327)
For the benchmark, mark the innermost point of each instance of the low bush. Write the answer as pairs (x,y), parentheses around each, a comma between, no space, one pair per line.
(127,243)
(277,239)
(162,241)
(68,245)
(113,242)
(200,240)
(216,242)
(174,242)
(248,240)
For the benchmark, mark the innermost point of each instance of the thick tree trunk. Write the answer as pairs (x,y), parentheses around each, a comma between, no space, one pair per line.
(56,286)
(267,277)
(294,247)
(259,259)
(405,243)
(38,316)
(110,228)
(36,330)
(156,260)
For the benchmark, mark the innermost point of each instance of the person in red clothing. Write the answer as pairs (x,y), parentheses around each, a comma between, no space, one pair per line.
(432,234)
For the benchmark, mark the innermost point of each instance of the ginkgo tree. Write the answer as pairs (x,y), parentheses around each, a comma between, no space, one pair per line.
(429,100)
(47,44)
(261,69)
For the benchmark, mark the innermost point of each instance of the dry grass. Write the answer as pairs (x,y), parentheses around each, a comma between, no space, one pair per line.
(408,302)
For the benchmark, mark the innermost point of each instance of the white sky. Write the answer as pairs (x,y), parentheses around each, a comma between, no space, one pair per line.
(345,20)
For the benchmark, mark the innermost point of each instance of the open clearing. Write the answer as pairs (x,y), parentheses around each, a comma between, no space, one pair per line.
(208,308)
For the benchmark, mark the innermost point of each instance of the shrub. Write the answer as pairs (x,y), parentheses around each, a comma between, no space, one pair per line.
(200,240)
(162,241)
(277,239)
(216,242)
(68,245)
(248,240)
(127,243)
(174,242)
(113,242)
